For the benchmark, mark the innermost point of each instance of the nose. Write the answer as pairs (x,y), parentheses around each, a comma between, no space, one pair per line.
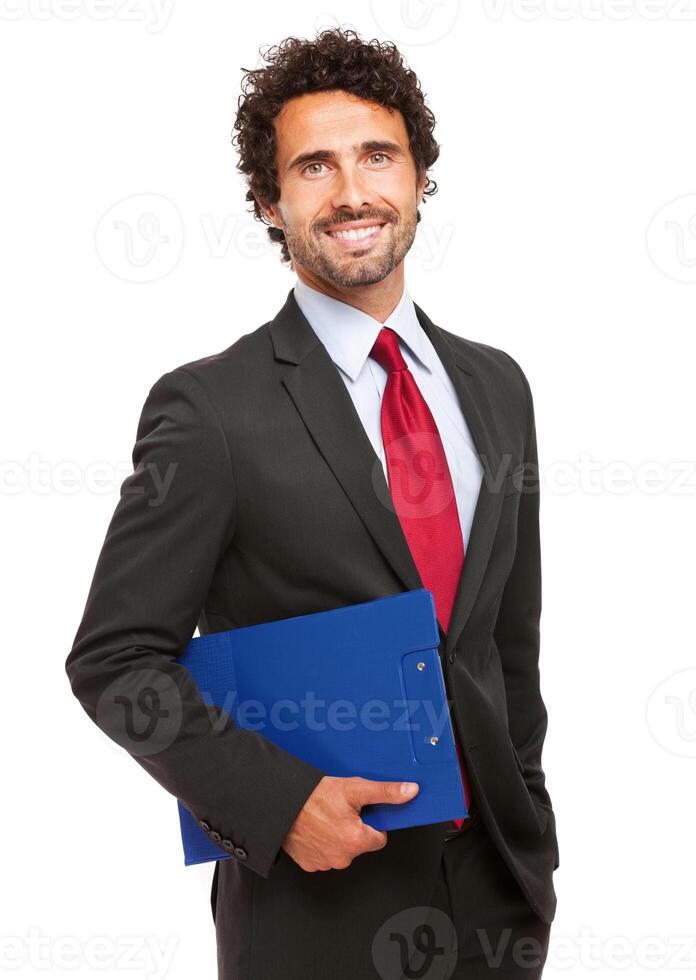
(351,192)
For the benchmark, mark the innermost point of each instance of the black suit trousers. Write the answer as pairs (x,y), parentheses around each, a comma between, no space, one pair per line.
(478,924)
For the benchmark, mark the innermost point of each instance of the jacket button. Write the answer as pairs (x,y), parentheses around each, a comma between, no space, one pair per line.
(215,837)
(452,656)
(204,825)
(227,844)
(240,853)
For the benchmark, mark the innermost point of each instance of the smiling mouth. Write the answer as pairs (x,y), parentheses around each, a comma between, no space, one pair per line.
(356,236)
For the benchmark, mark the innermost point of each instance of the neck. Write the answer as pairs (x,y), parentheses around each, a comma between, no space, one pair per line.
(378,299)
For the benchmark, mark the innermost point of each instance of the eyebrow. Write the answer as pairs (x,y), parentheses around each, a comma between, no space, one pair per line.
(387,146)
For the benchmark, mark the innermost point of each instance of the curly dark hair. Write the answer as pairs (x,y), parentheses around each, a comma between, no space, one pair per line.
(336,59)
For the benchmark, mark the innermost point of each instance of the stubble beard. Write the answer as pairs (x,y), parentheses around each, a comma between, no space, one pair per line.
(317,255)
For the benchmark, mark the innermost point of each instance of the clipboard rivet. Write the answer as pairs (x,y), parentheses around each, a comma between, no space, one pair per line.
(420,665)
(434,739)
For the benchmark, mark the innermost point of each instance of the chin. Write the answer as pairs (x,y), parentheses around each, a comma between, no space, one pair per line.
(354,278)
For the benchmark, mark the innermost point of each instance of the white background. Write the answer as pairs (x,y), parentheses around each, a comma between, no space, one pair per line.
(564,231)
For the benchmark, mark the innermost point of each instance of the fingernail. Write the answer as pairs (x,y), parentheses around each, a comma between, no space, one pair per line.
(408,788)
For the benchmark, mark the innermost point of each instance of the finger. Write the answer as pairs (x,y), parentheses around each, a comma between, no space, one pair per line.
(362,791)
(373,840)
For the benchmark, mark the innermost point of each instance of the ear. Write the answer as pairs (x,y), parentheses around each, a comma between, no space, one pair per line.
(420,187)
(271,213)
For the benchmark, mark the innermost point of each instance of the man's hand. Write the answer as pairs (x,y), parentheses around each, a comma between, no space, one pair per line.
(328,832)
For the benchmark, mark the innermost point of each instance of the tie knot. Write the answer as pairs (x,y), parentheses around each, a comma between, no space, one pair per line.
(386,352)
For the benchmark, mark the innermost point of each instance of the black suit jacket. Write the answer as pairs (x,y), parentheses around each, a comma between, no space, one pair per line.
(256,495)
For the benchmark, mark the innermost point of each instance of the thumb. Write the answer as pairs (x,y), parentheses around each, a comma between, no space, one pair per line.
(380,791)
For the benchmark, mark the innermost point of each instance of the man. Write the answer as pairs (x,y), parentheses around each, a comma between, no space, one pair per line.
(345,450)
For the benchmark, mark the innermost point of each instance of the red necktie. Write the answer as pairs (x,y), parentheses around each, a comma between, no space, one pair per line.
(421,488)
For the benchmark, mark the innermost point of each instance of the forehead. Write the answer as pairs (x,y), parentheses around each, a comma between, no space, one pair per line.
(334,120)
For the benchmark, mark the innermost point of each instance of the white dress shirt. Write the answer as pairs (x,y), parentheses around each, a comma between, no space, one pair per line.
(348,335)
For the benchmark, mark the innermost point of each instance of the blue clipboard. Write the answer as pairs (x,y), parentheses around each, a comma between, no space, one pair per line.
(355,691)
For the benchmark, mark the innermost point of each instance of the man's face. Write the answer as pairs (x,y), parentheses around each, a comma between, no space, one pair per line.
(344,162)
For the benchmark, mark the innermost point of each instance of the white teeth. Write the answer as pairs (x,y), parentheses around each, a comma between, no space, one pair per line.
(355,234)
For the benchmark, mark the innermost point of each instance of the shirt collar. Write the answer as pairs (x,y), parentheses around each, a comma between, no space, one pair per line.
(349,334)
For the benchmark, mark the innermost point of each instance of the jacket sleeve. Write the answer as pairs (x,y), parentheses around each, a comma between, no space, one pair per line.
(517,633)
(174,519)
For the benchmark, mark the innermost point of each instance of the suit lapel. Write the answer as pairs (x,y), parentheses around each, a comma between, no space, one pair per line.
(325,405)
(478,412)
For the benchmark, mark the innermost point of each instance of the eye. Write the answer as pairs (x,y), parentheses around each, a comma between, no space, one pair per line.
(379,153)
(315,163)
